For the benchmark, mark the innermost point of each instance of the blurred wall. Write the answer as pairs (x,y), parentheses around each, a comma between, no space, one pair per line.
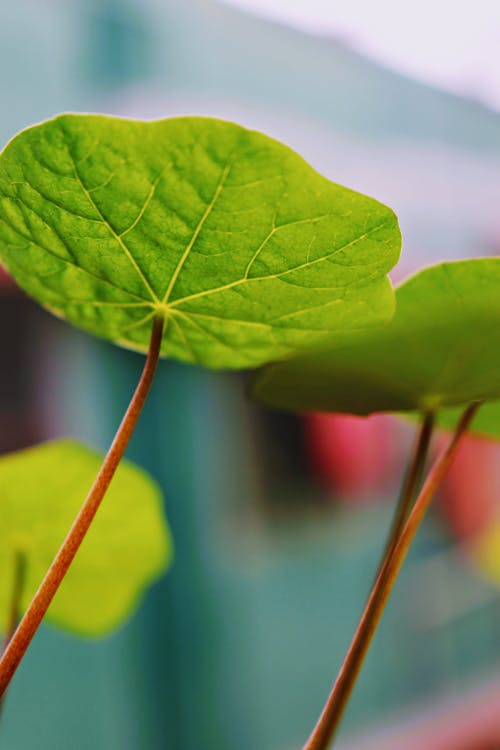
(238,645)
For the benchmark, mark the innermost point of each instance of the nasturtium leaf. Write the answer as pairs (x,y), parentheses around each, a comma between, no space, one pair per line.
(244,249)
(126,548)
(442,348)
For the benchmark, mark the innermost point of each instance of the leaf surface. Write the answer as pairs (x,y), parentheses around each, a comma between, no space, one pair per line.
(441,349)
(126,548)
(246,251)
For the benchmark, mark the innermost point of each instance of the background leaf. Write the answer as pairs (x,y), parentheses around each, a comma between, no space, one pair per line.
(442,348)
(245,249)
(127,546)
(486,422)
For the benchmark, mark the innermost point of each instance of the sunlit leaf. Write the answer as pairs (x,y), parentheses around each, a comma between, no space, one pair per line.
(442,348)
(127,546)
(245,250)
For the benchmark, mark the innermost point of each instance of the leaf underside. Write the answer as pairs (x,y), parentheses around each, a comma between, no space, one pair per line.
(127,547)
(441,349)
(245,250)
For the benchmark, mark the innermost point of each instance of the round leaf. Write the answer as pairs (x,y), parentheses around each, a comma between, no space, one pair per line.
(442,348)
(126,548)
(245,250)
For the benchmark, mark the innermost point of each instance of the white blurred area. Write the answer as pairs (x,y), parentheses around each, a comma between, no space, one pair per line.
(442,42)
(326,77)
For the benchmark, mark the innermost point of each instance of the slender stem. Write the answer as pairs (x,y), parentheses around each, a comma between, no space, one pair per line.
(40,603)
(330,717)
(411,483)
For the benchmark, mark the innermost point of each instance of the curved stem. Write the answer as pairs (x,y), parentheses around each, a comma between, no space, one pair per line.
(330,717)
(411,483)
(33,616)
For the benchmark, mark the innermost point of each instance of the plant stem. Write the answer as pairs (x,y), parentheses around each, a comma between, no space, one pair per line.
(33,616)
(330,717)
(411,483)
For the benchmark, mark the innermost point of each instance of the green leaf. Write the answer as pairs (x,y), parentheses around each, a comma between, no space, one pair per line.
(247,252)
(486,422)
(127,546)
(442,348)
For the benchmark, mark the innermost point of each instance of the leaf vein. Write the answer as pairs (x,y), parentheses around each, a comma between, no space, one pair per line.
(185,339)
(208,210)
(68,262)
(148,200)
(209,333)
(111,229)
(269,277)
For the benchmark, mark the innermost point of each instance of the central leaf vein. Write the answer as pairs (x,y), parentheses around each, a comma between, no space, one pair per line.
(197,231)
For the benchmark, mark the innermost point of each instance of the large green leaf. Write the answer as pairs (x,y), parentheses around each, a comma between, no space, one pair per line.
(127,547)
(245,250)
(442,348)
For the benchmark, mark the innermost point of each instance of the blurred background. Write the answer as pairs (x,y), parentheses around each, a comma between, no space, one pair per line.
(278,520)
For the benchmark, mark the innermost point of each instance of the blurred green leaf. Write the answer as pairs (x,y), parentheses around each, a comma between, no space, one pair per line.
(442,348)
(247,251)
(486,422)
(127,546)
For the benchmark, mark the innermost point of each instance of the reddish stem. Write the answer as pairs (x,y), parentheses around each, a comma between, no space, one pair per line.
(330,717)
(411,483)
(33,616)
